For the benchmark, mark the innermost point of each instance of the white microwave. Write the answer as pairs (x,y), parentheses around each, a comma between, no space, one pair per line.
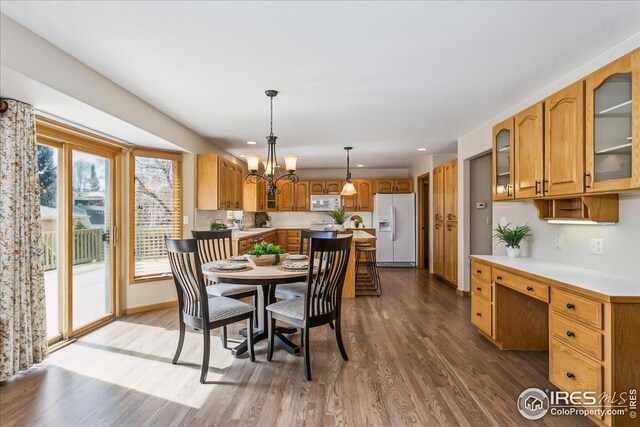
(324,203)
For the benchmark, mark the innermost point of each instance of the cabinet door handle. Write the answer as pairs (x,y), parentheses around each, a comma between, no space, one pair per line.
(571,334)
(479,314)
(498,277)
(570,306)
(478,289)
(584,180)
(570,375)
(508,190)
(478,271)
(529,288)
(537,184)
(545,186)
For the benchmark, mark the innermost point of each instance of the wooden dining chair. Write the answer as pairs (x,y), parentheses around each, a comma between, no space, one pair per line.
(195,307)
(322,300)
(218,246)
(295,290)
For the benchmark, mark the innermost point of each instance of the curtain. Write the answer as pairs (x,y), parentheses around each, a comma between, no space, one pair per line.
(23,328)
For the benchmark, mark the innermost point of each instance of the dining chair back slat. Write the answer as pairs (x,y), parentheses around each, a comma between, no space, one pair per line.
(306,235)
(214,245)
(187,274)
(324,286)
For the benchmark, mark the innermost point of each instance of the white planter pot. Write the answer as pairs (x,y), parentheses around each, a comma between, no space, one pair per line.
(513,252)
(339,226)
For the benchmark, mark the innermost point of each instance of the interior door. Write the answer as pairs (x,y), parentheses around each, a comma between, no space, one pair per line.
(438,248)
(451,190)
(404,218)
(564,141)
(451,252)
(89,234)
(529,147)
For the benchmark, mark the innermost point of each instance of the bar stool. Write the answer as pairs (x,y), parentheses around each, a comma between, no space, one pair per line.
(370,285)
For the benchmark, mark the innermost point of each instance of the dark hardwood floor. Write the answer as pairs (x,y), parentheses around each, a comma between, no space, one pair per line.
(414,359)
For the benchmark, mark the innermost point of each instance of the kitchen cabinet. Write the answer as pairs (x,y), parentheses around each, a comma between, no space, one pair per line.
(445,203)
(502,160)
(253,198)
(451,252)
(529,152)
(325,187)
(281,238)
(219,183)
(362,201)
(301,197)
(393,186)
(293,196)
(564,141)
(612,126)
(451,190)
(438,193)
(438,248)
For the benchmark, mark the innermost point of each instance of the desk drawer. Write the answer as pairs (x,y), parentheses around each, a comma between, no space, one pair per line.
(481,288)
(481,270)
(577,336)
(577,307)
(481,314)
(572,372)
(521,284)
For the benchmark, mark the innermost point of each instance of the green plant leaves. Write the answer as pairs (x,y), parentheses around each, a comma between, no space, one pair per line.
(264,248)
(512,236)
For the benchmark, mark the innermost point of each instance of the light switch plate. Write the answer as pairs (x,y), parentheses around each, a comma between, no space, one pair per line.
(503,221)
(597,246)
(185,220)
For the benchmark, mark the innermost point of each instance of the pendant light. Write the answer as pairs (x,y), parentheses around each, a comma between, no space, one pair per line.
(271,164)
(349,189)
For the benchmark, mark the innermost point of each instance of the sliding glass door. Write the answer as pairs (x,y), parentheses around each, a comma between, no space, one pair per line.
(79,187)
(90,233)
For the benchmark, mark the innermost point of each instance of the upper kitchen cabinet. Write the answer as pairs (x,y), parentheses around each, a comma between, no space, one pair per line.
(325,187)
(286,197)
(564,141)
(451,190)
(438,193)
(393,186)
(613,126)
(529,153)
(220,183)
(253,198)
(503,160)
(302,201)
(362,201)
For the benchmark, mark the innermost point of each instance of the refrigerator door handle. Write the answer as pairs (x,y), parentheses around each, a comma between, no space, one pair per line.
(393,223)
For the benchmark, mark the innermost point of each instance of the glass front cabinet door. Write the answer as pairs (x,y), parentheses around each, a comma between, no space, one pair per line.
(613,126)
(503,160)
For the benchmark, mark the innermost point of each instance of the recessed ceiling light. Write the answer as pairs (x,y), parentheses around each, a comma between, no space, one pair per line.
(242,155)
(251,142)
(422,149)
(360,166)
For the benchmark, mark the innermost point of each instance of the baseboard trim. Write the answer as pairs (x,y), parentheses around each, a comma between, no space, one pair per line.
(150,307)
(462,293)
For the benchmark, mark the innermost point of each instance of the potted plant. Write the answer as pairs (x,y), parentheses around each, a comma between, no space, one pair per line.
(265,253)
(512,237)
(339,215)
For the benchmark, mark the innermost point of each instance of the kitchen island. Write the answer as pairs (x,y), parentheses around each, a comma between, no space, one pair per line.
(289,239)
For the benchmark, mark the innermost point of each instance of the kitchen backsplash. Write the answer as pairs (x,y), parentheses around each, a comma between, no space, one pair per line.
(278,219)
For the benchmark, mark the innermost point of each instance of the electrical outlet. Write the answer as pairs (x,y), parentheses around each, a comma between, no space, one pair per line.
(597,246)
(558,241)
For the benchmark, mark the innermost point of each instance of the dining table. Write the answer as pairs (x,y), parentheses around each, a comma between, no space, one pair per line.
(265,279)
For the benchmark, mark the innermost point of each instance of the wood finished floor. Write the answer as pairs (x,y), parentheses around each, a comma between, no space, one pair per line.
(414,359)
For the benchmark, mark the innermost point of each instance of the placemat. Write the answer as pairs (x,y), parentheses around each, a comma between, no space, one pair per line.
(218,270)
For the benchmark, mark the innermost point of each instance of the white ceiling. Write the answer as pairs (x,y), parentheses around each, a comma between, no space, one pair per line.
(386,78)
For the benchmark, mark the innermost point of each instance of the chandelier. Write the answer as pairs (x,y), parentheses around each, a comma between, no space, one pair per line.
(271,164)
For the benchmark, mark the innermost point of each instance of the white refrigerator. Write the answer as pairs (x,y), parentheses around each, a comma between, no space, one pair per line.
(394,218)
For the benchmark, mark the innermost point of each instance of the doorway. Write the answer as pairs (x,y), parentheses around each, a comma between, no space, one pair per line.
(481,208)
(79,188)
(423,221)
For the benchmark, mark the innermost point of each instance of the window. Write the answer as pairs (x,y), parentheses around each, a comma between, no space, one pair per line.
(155,211)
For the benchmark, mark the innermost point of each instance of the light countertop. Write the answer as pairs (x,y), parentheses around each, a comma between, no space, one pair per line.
(251,232)
(609,285)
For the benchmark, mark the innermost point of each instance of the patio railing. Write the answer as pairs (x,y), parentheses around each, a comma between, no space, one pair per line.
(87,247)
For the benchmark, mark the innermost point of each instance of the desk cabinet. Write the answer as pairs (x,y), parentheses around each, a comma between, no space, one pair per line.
(593,340)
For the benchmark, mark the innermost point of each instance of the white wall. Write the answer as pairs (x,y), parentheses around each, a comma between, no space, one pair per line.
(425,166)
(623,238)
